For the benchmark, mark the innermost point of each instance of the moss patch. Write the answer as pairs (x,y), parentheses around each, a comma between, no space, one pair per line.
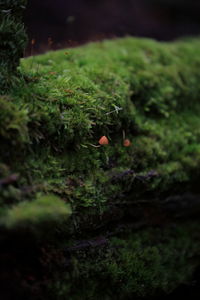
(50,125)
(12,41)
(141,265)
(44,209)
(66,101)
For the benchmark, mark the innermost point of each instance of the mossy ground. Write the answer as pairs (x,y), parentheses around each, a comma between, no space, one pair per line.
(51,121)
(65,101)
(142,265)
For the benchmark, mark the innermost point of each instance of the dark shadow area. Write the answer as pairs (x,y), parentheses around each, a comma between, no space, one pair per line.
(65,23)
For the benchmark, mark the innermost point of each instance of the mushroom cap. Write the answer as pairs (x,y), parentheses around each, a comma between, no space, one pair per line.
(103,140)
(126,143)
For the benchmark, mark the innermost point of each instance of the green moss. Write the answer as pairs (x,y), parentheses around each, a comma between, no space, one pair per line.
(50,126)
(13,123)
(44,209)
(138,265)
(65,102)
(12,41)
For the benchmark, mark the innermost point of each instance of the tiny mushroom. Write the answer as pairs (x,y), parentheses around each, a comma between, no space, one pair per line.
(126,143)
(103,140)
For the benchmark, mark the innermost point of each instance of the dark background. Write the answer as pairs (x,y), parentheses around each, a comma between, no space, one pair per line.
(63,23)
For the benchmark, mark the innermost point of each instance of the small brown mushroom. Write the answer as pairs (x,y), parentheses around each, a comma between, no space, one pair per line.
(103,140)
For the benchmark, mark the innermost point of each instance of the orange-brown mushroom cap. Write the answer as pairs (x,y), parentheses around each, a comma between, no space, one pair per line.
(103,140)
(126,143)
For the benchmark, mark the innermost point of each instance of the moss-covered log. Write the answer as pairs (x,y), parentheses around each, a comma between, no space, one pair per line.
(141,91)
(12,40)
